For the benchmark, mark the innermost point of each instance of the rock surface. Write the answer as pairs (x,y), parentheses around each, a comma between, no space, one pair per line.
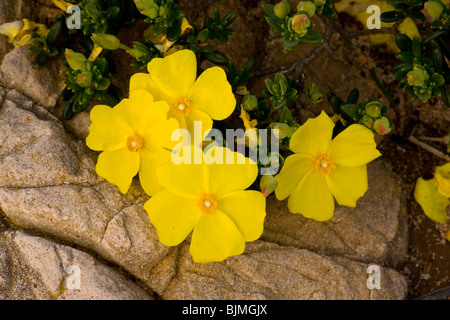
(34,268)
(269,271)
(43,85)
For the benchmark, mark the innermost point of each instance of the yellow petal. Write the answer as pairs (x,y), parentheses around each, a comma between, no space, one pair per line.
(150,163)
(248,124)
(312,198)
(185,180)
(118,167)
(442,176)
(11,29)
(247,209)
(432,202)
(142,111)
(234,174)
(216,238)
(107,131)
(159,135)
(295,167)
(348,184)
(354,147)
(174,217)
(95,53)
(144,81)
(185,26)
(212,93)
(61,4)
(23,40)
(174,74)
(197,115)
(314,136)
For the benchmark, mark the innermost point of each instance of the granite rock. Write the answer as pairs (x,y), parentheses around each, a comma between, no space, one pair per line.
(34,268)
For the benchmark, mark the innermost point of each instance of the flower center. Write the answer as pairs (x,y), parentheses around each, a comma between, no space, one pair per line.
(135,143)
(207,203)
(181,106)
(324,164)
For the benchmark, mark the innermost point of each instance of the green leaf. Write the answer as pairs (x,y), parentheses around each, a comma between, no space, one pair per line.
(276,23)
(278,104)
(401,72)
(403,42)
(174,31)
(283,86)
(75,60)
(54,32)
(416,15)
(291,94)
(228,19)
(113,12)
(436,56)
(268,9)
(269,84)
(335,102)
(416,47)
(93,9)
(290,44)
(405,56)
(432,202)
(216,17)
(352,110)
(247,67)
(202,36)
(391,16)
(217,58)
(353,96)
(68,111)
(286,116)
(103,84)
(158,28)
(311,37)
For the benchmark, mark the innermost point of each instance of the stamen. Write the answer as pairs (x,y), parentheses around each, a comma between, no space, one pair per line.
(135,143)
(207,203)
(324,164)
(181,105)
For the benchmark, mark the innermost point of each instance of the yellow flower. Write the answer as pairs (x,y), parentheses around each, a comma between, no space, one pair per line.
(248,124)
(96,51)
(173,79)
(433,195)
(442,176)
(253,139)
(321,168)
(63,5)
(19,32)
(135,136)
(209,199)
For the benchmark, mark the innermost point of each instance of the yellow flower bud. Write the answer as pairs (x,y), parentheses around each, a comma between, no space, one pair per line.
(299,23)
